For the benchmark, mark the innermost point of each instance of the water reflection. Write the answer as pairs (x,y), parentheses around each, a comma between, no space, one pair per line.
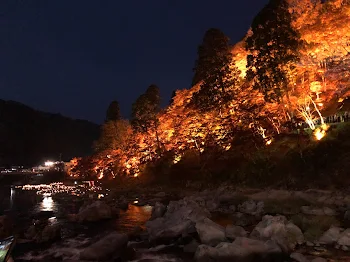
(47,204)
(133,217)
(12,196)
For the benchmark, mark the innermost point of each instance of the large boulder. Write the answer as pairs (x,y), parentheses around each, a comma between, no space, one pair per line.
(158,211)
(30,233)
(242,249)
(40,234)
(344,238)
(50,233)
(252,208)
(331,236)
(179,220)
(232,232)
(210,233)
(95,211)
(109,247)
(278,229)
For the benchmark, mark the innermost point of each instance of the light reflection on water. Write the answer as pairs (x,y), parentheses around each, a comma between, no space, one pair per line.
(26,203)
(133,217)
(47,204)
(12,196)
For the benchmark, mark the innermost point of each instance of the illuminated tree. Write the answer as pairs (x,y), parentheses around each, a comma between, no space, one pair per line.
(145,110)
(215,68)
(114,135)
(145,115)
(273,48)
(113,112)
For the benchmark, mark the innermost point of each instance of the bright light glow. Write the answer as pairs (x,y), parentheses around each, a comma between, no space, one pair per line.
(320,132)
(136,201)
(57,188)
(100,196)
(100,176)
(136,175)
(268,142)
(47,204)
(177,159)
(49,163)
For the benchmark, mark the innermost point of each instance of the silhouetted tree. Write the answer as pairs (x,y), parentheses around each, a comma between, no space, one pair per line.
(173,94)
(113,111)
(215,68)
(273,50)
(145,110)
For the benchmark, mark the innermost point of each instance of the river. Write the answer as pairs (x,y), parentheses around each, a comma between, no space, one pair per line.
(24,206)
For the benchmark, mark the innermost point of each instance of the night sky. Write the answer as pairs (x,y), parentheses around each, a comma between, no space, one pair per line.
(74,56)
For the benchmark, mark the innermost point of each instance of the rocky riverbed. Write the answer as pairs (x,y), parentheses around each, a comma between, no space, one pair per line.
(224,224)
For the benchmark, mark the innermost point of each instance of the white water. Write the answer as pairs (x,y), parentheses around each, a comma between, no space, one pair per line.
(69,249)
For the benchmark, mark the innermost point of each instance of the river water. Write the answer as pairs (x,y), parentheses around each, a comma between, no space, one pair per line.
(24,206)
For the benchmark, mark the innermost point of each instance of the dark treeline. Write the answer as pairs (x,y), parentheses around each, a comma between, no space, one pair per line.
(29,137)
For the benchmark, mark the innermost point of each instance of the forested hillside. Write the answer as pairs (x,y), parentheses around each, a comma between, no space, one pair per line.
(277,92)
(29,137)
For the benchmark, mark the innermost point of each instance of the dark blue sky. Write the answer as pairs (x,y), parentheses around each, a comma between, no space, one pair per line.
(74,56)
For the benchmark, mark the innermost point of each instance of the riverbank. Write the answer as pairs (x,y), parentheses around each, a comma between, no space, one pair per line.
(191,225)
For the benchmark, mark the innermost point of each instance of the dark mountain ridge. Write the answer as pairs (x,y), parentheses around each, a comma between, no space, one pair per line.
(29,136)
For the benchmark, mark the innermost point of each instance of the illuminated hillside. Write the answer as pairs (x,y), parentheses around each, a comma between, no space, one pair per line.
(317,82)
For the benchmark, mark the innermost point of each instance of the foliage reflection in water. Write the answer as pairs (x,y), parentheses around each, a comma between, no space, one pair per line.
(133,217)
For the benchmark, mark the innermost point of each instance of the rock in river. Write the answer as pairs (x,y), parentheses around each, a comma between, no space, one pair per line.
(110,247)
(242,249)
(344,238)
(252,208)
(179,220)
(95,211)
(278,229)
(210,233)
(158,211)
(331,236)
(232,231)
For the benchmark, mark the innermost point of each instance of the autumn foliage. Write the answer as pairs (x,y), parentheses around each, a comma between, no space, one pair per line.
(315,77)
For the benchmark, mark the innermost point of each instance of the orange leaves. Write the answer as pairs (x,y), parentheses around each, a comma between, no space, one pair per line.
(321,75)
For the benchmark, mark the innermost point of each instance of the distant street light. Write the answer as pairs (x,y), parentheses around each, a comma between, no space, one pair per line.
(49,163)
